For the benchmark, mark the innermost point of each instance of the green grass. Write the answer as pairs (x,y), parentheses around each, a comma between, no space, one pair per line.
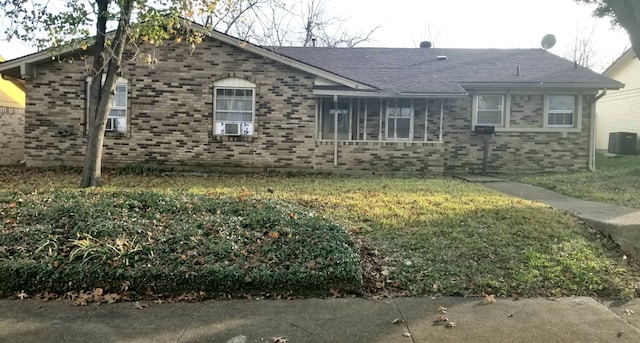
(615,181)
(428,235)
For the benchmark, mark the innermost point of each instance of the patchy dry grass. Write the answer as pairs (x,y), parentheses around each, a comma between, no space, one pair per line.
(616,181)
(432,236)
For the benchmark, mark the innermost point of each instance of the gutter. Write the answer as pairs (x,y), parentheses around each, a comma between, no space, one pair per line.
(592,131)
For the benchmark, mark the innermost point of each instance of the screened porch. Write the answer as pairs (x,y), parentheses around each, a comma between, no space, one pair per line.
(380,119)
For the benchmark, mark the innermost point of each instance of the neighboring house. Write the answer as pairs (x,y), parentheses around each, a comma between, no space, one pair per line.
(619,110)
(232,104)
(11,120)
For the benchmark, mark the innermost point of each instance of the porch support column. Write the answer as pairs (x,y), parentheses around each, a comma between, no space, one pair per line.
(335,130)
(426,120)
(441,118)
(364,133)
(380,128)
(358,120)
(350,119)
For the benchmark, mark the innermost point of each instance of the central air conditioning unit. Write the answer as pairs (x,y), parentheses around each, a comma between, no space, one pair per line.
(112,124)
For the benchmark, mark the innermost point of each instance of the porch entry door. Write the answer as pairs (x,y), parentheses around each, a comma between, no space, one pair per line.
(341,109)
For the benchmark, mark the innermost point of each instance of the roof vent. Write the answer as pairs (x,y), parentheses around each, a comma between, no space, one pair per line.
(442,58)
(425,45)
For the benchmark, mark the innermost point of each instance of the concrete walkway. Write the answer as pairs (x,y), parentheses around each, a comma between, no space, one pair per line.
(563,320)
(621,223)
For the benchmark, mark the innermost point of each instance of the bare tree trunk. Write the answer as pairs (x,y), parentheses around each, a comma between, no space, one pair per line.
(101,93)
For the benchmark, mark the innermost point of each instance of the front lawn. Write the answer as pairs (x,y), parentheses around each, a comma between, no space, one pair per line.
(422,236)
(615,181)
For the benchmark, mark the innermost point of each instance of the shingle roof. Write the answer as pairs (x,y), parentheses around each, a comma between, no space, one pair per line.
(421,71)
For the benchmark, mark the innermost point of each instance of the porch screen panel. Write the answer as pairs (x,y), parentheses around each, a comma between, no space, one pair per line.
(329,111)
(399,117)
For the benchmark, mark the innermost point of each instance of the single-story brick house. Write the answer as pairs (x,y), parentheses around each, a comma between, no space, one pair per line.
(229,103)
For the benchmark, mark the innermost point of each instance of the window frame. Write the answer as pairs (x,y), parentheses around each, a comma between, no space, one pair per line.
(554,112)
(476,101)
(243,125)
(121,81)
(395,118)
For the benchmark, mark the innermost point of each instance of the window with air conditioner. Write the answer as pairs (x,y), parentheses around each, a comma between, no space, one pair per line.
(234,107)
(117,119)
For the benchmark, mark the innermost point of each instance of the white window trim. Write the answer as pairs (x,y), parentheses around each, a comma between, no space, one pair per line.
(577,126)
(475,110)
(239,84)
(411,122)
(576,113)
(119,82)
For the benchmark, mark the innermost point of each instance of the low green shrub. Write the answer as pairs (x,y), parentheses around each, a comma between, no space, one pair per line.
(70,240)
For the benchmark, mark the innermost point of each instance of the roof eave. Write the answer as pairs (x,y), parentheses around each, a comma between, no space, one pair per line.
(623,58)
(543,85)
(282,59)
(25,63)
(384,94)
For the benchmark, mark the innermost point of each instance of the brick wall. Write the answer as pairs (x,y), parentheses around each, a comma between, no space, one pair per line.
(371,157)
(170,112)
(516,151)
(11,135)
(170,122)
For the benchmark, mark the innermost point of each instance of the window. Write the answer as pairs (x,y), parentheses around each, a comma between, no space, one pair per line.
(399,119)
(489,110)
(234,101)
(560,110)
(117,119)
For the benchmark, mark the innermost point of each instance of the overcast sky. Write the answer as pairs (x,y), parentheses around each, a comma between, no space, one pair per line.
(464,24)
(482,24)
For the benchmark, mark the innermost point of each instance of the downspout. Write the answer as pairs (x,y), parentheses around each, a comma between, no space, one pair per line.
(592,131)
(335,130)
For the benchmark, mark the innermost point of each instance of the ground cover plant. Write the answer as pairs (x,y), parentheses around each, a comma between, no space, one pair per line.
(69,240)
(422,235)
(615,181)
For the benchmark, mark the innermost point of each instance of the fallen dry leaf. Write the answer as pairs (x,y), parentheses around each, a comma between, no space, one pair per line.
(397,321)
(111,298)
(406,334)
(489,299)
(279,340)
(442,309)
(47,296)
(98,292)
(139,306)
(627,311)
(450,325)
(442,319)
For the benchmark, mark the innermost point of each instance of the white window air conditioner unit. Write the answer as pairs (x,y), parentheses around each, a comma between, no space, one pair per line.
(112,124)
(232,129)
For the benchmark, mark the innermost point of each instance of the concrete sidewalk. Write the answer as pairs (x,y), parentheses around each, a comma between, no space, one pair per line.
(621,223)
(578,319)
